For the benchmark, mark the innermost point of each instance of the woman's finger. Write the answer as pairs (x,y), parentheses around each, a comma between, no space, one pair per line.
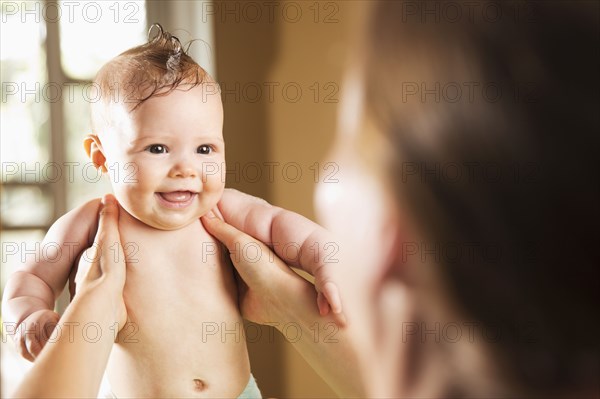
(215,212)
(106,244)
(84,269)
(236,242)
(224,232)
(331,292)
(268,285)
(108,239)
(256,264)
(322,304)
(108,222)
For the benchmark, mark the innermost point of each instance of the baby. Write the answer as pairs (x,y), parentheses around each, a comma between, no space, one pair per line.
(158,133)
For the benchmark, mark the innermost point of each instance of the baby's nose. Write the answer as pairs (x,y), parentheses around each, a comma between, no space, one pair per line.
(183,168)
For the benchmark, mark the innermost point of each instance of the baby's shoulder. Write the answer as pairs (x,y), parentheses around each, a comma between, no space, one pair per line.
(88,210)
(77,225)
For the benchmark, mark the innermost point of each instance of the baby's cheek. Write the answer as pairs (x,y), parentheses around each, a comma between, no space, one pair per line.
(214,178)
(212,190)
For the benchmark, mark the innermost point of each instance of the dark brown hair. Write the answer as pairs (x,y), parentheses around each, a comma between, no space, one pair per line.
(155,68)
(539,136)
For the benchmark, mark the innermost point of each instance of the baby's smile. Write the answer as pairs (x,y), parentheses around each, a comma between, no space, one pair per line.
(176,199)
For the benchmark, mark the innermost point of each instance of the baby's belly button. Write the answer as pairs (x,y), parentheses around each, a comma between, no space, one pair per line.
(199,385)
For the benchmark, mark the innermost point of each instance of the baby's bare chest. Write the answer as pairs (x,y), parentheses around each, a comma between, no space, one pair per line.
(180,269)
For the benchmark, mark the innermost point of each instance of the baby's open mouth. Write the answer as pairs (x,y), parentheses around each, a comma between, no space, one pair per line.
(176,199)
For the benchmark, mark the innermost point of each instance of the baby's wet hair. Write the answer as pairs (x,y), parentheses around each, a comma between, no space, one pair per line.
(152,69)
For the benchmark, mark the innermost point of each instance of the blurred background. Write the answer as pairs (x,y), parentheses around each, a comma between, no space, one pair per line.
(279,65)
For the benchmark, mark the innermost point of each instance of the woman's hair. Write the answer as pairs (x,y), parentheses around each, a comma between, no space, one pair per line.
(493,116)
(155,68)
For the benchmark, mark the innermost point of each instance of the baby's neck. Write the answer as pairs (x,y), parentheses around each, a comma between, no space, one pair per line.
(133,223)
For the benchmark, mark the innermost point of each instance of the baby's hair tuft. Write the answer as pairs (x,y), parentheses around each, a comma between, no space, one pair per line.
(154,68)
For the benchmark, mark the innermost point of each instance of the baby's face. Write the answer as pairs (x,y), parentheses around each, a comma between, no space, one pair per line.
(169,154)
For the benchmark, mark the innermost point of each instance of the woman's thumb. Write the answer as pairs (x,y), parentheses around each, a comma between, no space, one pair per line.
(247,254)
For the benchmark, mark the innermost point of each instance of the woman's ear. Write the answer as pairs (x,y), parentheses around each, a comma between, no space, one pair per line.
(93,149)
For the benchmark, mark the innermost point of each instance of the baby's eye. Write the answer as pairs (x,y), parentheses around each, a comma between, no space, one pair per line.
(204,149)
(157,149)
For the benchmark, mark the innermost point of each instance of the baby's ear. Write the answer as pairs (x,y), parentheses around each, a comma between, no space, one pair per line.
(93,149)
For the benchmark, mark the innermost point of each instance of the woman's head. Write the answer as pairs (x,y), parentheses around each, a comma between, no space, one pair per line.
(478,125)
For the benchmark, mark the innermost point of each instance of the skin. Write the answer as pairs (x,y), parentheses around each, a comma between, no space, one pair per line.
(77,366)
(172,143)
(137,175)
(271,293)
(72,366)
(175,145)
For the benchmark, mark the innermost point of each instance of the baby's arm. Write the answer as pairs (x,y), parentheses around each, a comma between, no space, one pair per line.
(31,291)
(282,230)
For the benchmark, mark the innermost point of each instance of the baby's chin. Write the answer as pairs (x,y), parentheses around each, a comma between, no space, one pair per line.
(166,222)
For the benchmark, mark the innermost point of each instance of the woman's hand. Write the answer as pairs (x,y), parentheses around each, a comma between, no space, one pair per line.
(73,361)
(273,294)
(103,264)
(268,289)
(296,240)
